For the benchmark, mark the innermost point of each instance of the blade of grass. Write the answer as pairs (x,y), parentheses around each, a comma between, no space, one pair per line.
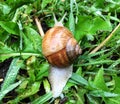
(114,64)
(99,53)
(96,62)
(20,54)
(12,73)
(101,93)
(77,78)
(43,99)
(8,89)
(71,18)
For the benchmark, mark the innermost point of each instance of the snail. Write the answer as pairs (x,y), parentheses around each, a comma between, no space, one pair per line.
(60,49)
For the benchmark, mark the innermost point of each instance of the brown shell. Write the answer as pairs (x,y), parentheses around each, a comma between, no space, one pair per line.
(56,44)
(72,49)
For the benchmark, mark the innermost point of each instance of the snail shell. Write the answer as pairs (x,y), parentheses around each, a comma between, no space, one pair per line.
(59,47)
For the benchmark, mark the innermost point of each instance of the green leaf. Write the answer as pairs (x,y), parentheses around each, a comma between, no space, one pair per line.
(34,38)
(4,37)
(45,3)
(82,27)
(114,64)
(115,100)
(92,100)
(71,18)
(79,79)
(101,93)
(12,73)
(87,26)
(28,92)
(69,84)
(114,18)
(46,85)
(99,81)
(43,71)
(19,3)
(117,85)
(3,50)
(30,68)
(43,99)
(99,3)
(71,23)
(22,86)
(10,27)
(5,9)
(27,44)
(8,89)
(103,25)
(31,41)
(97,62)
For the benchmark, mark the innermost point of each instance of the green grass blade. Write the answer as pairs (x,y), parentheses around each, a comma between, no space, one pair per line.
(8,89)
(101,93)
(12,73)
(79,79)
(71,23)
(71,18)
(43,99)
(96,62)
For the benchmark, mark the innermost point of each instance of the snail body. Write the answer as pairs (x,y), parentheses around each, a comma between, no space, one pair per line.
(60,49)
(58,78)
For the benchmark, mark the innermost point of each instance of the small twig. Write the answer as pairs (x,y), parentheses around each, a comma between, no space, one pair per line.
(38,23)
(105,41)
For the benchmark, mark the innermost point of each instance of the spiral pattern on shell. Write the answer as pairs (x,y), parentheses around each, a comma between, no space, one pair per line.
(59,47)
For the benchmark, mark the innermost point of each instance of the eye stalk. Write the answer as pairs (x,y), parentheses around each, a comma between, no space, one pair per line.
(59,23)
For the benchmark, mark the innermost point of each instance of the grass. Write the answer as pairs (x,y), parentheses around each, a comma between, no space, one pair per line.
(95,25)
